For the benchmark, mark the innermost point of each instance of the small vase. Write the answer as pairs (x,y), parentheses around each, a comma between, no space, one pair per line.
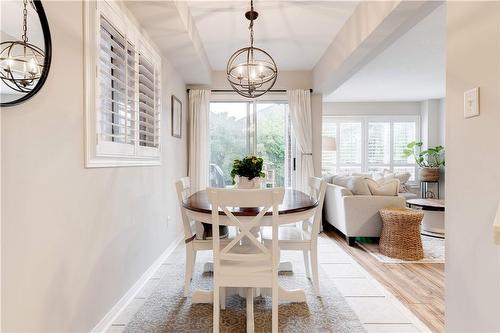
(429,174)
(245,183)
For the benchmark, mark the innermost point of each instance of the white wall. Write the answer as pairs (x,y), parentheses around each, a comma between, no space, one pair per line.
(430,126)
(371,108)
(473,169)
(74,240)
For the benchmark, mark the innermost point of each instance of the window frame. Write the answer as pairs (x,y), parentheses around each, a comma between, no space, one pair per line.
(364,121)
(251,124)
(100,152)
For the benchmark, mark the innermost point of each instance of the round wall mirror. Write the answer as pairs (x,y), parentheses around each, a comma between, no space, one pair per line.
(25,50)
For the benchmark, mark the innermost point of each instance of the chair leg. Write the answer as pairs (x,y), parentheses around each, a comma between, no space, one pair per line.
(223,298)
(190,260)
(216,309)
(274,313)
(250,316)
(314,265)
(306,262)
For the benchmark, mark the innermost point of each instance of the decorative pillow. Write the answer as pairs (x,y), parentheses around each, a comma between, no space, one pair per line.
(389,188)
(356,184)
(328,178)
(403,178)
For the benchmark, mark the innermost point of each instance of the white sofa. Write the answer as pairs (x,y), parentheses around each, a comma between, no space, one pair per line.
(356,215)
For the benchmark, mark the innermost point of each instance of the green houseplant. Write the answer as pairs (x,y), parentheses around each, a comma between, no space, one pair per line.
(429,160)
(247,173)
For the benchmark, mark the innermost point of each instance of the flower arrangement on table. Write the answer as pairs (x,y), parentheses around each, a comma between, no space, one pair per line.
(247,173)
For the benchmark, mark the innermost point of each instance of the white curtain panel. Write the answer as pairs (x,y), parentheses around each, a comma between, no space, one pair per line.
(199,106)
(299,102)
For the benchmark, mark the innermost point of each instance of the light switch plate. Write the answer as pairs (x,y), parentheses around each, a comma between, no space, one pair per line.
(471,103)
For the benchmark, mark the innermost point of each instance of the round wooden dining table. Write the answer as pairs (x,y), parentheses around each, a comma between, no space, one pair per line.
(296,206)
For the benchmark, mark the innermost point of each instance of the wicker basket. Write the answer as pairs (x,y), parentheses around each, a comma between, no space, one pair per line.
(401,233)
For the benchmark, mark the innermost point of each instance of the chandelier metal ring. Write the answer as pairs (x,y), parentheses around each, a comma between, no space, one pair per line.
(21,62)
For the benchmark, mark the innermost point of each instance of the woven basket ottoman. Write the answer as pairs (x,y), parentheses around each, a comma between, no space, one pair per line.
(401,233)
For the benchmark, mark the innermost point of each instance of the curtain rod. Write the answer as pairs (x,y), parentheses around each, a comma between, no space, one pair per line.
(229,90)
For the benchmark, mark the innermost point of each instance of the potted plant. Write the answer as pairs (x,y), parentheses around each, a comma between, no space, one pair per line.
(429,160)
(247,173)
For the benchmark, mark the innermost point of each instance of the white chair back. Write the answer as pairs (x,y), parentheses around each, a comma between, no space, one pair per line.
(317,190)
(183,191)
(226,199)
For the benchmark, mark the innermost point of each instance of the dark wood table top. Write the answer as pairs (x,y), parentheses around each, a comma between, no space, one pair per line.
(293,202)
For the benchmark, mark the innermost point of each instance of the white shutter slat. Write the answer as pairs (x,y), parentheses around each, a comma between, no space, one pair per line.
(148,107)
(117,79)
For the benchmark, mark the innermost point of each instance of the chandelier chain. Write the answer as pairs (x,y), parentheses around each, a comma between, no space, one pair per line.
(25,19)
(250,27)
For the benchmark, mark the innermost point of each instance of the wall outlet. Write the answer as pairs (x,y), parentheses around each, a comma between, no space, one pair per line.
(471,103)
(169,219)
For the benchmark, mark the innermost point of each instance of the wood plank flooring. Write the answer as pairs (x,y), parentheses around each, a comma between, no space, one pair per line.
(420,287)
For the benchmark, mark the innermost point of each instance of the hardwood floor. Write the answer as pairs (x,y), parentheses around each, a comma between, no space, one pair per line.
(420,287)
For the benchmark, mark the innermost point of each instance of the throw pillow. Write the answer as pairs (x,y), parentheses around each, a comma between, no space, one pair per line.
(403,178)
(328,178)
(389,188)
(356,184)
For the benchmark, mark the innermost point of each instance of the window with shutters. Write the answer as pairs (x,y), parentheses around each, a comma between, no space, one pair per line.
(122,90)
(370,144)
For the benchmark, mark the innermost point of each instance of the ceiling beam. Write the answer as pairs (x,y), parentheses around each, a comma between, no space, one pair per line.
(371,29)
(171,27)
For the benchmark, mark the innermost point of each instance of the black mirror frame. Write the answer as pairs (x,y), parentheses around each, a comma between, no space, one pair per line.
(48,56)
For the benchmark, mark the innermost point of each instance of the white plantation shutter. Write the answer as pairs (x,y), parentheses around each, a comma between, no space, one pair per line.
(370,144)
(403,134)
(149,112)
(125,118)
(113,124)
(350,143)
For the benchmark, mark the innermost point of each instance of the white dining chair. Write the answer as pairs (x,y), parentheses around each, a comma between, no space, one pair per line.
(248,264)
(193,243)
(305,237)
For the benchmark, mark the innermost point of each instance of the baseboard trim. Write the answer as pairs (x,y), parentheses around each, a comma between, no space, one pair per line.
(115,311)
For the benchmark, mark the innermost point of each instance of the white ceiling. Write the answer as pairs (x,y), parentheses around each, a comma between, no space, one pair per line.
(413,68)
(295,33)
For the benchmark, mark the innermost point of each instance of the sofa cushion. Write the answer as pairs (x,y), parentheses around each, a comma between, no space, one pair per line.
(328,178)
(356,184)
(386,188)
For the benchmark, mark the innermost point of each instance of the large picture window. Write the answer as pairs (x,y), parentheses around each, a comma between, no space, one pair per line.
(370,144)
(261,128)
(122,90)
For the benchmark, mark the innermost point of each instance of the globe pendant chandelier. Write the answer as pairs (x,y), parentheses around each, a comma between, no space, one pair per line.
(251,71)
(21,63)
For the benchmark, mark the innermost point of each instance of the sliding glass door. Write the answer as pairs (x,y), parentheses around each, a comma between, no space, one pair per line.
(260,128)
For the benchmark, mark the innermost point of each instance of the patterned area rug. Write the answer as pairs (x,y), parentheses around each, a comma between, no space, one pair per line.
(433,252)
(166,310)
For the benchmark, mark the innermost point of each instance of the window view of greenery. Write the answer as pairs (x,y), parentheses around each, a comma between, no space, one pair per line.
(235,126)
(271,140)
(228,139)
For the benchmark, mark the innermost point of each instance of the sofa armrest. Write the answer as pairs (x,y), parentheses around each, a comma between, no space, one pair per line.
(362,213)
(333,207)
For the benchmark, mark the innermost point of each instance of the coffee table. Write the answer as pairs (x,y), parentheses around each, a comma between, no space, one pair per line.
(433,222)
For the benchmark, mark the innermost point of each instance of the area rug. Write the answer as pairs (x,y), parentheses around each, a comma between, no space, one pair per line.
(166,310)
(433,252)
